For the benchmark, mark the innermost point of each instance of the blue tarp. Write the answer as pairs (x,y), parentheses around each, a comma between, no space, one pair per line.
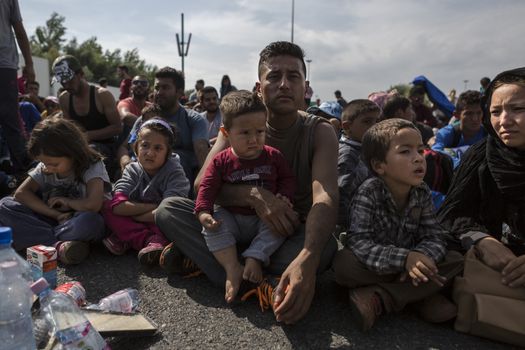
(435,95)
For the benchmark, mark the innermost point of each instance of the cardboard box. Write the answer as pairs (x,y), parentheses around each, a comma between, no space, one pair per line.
(43,262)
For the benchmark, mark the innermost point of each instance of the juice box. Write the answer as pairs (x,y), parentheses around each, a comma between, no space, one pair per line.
(43,262)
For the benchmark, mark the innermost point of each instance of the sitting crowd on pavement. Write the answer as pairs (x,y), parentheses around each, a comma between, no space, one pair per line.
(262,193)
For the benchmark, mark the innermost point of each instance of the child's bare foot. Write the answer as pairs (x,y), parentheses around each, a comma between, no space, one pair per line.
(233,282)
(253,270)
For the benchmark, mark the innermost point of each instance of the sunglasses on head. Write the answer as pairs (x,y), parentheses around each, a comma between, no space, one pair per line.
(143,83)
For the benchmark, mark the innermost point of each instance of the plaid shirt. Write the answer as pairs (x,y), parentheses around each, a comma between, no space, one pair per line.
(381,237)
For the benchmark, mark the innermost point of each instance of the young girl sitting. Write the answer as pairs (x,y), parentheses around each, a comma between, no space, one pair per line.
(155,175)
(58,203)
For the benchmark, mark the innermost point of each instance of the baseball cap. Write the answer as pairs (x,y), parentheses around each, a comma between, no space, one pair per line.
(64,68)
(332,108)
(53,99)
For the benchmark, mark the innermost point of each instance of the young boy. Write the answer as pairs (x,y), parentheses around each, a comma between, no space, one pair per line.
(357,117)
(395,248)
(247,161)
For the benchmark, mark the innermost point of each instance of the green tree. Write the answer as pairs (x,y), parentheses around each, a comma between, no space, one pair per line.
(403,89)
(47,41)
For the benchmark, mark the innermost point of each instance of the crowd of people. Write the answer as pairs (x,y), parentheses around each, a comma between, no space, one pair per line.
(262,193)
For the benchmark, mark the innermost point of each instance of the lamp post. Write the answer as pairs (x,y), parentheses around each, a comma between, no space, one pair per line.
(308,61)
(293,11)
(466,82)
(181,45)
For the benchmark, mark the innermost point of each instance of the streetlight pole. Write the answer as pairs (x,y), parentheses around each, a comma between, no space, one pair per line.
(308,61)
(293,12)
(182,47)
(466,82)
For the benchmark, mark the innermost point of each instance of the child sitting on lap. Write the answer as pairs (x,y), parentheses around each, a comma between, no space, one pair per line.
(248,161)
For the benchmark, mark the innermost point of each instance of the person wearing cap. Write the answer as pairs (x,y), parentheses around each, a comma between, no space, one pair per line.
(11,20)
(93,108)
(329,110)
(52,107)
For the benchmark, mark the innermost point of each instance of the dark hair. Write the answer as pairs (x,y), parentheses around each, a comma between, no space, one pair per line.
(59,137)
(337,92)
(484,81)
(151,108)
(376,141)
(200,81)
(161,129)
(208,90)
(281,48)
(355,108)
(173,74)
(395,104)
(124,68)
(467,98)
(224,77)
(34,82)
(237,103)
(416,90)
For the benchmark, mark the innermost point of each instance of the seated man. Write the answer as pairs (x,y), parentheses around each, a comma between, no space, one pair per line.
(455,139)
(309,145)
(93,108)
(191,141)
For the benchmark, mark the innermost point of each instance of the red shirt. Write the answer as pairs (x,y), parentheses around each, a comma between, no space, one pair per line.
(270,171)
(125,86)
(132,106)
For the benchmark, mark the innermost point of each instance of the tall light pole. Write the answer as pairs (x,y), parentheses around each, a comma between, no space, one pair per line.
(308,61)
(181,45)
(293,11)
(466,82)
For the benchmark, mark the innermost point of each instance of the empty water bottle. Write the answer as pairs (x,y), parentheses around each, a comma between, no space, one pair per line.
(68,324)
(16,326)
(125,301)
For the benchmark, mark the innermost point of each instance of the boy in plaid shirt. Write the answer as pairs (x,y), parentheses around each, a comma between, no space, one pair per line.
(396,252)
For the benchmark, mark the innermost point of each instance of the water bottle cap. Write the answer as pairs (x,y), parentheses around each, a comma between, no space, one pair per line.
(39,285)
(6,235)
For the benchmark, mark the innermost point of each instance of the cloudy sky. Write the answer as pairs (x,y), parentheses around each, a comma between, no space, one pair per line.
(357,46)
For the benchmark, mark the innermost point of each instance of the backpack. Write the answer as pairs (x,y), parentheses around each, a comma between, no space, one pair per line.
(440,170)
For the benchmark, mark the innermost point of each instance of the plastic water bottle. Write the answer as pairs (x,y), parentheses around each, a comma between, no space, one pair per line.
(16,326)
(69,325)
(125,301)
(7,253)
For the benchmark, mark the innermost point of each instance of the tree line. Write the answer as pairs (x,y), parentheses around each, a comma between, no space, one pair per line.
(49,42)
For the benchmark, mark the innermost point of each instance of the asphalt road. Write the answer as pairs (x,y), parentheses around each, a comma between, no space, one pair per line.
(191,314)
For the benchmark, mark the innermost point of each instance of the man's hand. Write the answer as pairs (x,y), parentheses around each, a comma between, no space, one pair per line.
(494,253)
(421,269)
(207,220)
(275,213)
(514,272)
(296,289)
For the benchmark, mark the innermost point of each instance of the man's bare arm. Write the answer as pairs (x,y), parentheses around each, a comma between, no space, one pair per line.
(109,109)
(201,148)
(296,288)
(23,43)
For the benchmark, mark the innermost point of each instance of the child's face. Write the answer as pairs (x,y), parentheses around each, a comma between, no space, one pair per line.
(357,128)
(404,165)
(61,166)
(247,135)
(151,149)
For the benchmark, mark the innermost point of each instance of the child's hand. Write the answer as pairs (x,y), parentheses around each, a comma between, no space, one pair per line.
(421,269)
(208,221)
(59,203)
(284,199)
(62,217)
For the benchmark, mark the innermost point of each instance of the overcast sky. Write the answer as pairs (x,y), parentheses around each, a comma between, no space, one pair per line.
(357,46)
